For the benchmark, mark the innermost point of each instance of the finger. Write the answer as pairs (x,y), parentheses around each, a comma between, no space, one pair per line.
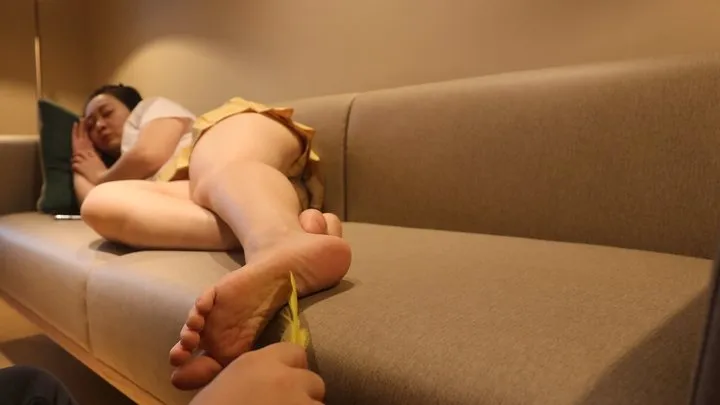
(82,127)
(315,386)
(310,383)
(87,128)
(289,354)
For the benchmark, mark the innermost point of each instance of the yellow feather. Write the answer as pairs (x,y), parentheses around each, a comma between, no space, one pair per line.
(294,333)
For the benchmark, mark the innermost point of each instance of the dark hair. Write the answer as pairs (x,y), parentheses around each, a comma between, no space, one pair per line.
(125,94)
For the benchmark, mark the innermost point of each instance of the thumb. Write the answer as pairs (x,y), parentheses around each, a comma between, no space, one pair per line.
(289,354)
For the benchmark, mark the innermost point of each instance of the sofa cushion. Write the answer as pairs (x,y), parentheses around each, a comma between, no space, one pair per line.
(329,117)
(58,192)
(45,265)
(57,195)
(428,317)
(621,154)
(137,305)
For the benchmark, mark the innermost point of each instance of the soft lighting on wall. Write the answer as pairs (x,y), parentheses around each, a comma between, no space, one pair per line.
(38,56)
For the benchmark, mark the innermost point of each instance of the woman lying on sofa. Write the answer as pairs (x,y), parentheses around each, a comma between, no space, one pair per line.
(114,116)
(240,175)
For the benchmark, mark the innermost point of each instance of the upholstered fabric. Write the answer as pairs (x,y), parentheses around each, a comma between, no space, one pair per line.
(56,127)
(475,319)
(328,116)
(621,154)
(137,305)
(428,317)
(20,173)
(45,265)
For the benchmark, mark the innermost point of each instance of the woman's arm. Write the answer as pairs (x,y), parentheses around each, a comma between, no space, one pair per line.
(156,144)
(82,187)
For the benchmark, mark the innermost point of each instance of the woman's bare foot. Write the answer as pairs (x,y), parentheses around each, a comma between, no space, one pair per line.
(314,221)
(226,319)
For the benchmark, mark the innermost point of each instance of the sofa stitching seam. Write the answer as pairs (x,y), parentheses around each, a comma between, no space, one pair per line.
(345,156)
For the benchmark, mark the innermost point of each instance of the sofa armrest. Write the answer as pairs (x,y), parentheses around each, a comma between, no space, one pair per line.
(20,174)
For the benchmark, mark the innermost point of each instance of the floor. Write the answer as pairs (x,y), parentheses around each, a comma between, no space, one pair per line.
(23,343)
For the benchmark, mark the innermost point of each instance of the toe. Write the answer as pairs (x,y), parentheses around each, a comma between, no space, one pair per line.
(179,355)
(205,302)
(189,339)
(195,321)
(196,373)
(333,224)
(312,221)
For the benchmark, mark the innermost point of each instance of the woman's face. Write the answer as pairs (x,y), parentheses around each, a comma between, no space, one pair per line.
(106,118)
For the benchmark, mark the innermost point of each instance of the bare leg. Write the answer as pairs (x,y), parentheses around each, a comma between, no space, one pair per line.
(166,218)
(237,172)
(155,215)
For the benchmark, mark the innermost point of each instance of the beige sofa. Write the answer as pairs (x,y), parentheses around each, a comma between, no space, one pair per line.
(539,237)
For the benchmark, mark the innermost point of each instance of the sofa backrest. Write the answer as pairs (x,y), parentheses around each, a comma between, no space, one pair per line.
(20,163)
(622,154)
(328,116)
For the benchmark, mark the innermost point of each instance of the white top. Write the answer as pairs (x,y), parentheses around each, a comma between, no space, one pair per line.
(151,109)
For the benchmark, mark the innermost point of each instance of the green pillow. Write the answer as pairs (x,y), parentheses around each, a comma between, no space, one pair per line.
(58,193)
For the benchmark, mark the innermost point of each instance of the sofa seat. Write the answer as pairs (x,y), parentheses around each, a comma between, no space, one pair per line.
(425,317)
(45,267)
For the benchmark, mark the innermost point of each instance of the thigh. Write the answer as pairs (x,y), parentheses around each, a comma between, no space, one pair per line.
(248,137)
(119,196)
(177,189)
(154,215)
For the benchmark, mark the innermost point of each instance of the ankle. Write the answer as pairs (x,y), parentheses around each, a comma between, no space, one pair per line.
(265,242)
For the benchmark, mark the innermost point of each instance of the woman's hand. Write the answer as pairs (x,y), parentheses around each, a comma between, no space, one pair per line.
(85,160)
(81,142)
(89,165)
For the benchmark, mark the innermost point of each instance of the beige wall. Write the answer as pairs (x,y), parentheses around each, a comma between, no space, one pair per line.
(67,74)
(66,56)
(17,69)
(202,52)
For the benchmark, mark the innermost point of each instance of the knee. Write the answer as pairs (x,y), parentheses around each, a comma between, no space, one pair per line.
(204,184)
(103,211)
